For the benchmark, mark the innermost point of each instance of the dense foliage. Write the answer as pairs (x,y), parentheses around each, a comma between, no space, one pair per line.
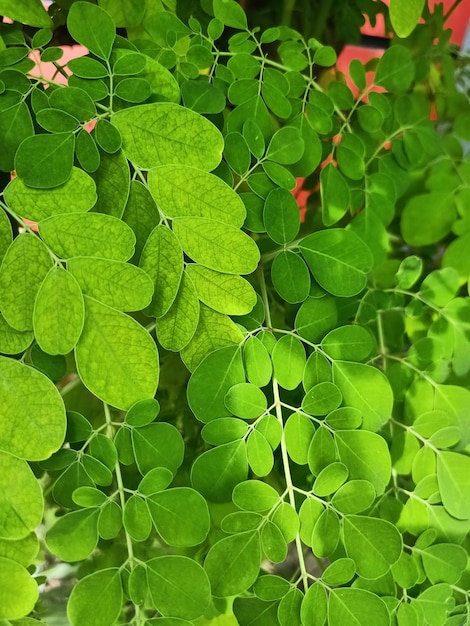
(217,411)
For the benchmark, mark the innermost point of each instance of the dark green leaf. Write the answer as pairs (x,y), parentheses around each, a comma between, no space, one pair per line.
(92,27)
(45,161)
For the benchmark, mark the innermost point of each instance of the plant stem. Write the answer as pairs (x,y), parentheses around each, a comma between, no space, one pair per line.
(452,9)
(287,9)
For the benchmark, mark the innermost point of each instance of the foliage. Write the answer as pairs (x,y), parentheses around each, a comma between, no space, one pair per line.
(225,413)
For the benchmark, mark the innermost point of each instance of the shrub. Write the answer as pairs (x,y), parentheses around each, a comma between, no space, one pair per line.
(225,413)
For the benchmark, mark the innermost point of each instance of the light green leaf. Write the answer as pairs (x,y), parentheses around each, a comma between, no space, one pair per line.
(88,234)
(433,602)
(288,612)
(316,317)
(155,480)
(112,180)
(367,389)
(338,259)
(444,562)
(110,520)
(309,514)
(349,343)
(254,495)
(167,134)
(230,13)
(21,503)
(77,195)
(366,455)
(290,276)
(162,260)
(96,600)
(322,450)
(157,445)
(356,607)
(6,235)
(31,12)
(326,534)
(179,587)
(281,216)
(211,380)
(453,475)
(218,246)
(317,370)
(16,125)
(404,15)
(440,212)
(313,611)
(226,293)
(289,360)
(58,312)
(141,214)
(18,590)
(330,479)
(224,430)
(136,518)
(395,70)
(75,535)
(115,283)
(216,472)
(339,572)
(232,564)
(33,413)
(180,516)
(182,191)
(271,587)
(177,327)
(116,357)
(92,27)
(215,330)
(163,84)
(286,519)
(259,453)
(373,544)
(322,398)
(298,433)
(24,267)
(246,401)
(257,362)
(354,497)
(24,551)
(45,161)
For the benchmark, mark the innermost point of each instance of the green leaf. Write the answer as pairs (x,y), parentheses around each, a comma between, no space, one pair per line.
(86,67)
(317,370)
(224,430)
(236,152)
(177,327)
(246,401)
(74,101)
(326,534)
(434,603)
(155,480)
(87,152)
(232,564)
(89,497)
(75,535)
(271,587)
(330,479)
(45,161)
(59,312)
(289,360)
(444,562)
(6,235)
(96,600)
(259,453)
(254,495)
(115,283)
(162,260)
(439,208)
(56,121)
(92,27)
(216,472)
(366,455)
(339,572)
(182,191)
(334,194)
(133,90)
(405,15)
(215,245)
(202,96)
(338,260)
(141,214)
(21,503)
(24,267)
(112,180)
(16,126)
(313,611)
(24,551)
(33,423)
(110,520)
(309,514)
(180,516)
(290,276)
(136,518)
(286,146)
(367,389)
(168,134)
(13,341)
(164,85)
(124,14)
(298,433)
(395,70)
(226,293)
(18,590)
(106,135)
(230,13)
(453,475)
(143,412)
(116,358)
(179,587)
(31,12)
(322,398)
(211,380)
(77,195)
(288,612)
(88,234)
(157,445)
(281,216)
(373,544)
(358,607)
(257,362)
(348,343)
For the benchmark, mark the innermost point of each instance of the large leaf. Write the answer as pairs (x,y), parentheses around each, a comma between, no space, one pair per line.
(116,357)
(182,191)
(45,161)
(15,126)
(356,607)
(18,590)
(226,293)
(77,195)
(96,600)
(75,535)
(33,413)
(168,134)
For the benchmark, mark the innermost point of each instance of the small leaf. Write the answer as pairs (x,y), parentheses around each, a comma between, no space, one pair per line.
(348,343)
(31,12)
(330,479)
(322,398)
(271,587)
(157,445)
(298,433)
(326,532)
(254,495)
(257,362)
(290,276)
(286,146)
(143,412)
(101,351)
(405,15)
(339,572)
(354,497)
(366,455)
(96,600)
(259,453)
(453,475)
(281,216)
(230,13)
(216,472)
(177,327)
(395,70)
(313,611)
(444,563)
(136,518)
